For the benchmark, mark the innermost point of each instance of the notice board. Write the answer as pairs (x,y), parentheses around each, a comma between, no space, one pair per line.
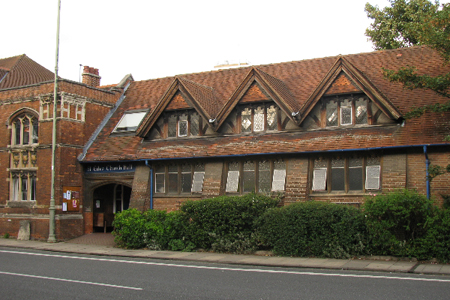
(71,198)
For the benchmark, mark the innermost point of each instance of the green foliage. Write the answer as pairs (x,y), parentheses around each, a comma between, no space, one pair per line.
(402,223)
(129,229)
(6,236)
(401,24)
(395,221)
(313,229)
(215,223)
(436,243)
(152,229)
(446,204)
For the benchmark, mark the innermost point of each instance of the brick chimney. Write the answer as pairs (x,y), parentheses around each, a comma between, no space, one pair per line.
(90,76)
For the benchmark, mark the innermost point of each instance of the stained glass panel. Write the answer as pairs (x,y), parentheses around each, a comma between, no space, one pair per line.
(195,124)
(258,119)
(183,125)
(246,120)
(264,176)
(332,116)
(272,118)
(249,177)
(361,111)
(172,126)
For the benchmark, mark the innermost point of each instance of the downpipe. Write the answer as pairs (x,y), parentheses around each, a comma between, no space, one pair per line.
(151,183)
(427,161)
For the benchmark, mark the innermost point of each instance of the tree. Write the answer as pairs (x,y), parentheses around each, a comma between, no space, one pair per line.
(409,23)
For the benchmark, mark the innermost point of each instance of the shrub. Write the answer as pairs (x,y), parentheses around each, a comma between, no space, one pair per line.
(436,242)
(395,221)
(129,229)
(222,222)
(153,229)
(313,229)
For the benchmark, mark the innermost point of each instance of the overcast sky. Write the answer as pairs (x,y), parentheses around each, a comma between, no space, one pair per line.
(152,39)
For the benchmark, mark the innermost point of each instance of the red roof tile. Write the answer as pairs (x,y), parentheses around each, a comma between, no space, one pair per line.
(21,70)
(296,82)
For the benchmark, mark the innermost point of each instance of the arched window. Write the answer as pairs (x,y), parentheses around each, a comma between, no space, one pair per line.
(25,129)
(23,167)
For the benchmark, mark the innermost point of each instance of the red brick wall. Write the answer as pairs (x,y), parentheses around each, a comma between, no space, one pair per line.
(170,204)
(296,180)
(71,137)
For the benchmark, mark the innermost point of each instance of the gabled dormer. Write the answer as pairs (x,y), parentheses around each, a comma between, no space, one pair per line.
(346,98)
(261,103)
(185,110)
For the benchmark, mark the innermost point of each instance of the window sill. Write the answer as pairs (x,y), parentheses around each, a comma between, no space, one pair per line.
(20,203)
(177,195)
(337,194)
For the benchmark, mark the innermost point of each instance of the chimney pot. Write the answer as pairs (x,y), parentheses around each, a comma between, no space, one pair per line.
(91,76)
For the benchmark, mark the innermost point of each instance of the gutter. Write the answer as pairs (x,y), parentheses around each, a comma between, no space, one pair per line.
(268,154)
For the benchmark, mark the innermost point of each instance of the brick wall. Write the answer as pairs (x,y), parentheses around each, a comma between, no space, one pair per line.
(140,193)
(72,135)
(212,182)
(296,180)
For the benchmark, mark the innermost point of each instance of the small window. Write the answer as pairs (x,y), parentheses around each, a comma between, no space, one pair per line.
(129,122)
(183,125)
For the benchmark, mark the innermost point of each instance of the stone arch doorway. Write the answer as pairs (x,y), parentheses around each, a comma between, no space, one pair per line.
(108,200)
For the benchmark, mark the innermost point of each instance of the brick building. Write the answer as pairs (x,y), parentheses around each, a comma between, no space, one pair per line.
(328,129)
(26,112)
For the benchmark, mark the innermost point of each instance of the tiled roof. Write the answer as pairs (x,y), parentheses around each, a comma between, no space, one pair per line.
(21,70)
(295,83)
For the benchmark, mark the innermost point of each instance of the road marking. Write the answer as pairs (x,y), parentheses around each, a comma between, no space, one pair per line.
(232,269)
(73,281)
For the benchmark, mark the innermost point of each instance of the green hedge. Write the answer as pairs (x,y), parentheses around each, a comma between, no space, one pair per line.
(397,221)
(151,229)
(436,242)
(313,229)
(402,223)
(225,223)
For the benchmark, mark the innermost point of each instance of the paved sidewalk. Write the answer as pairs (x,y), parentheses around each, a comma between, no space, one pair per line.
(98,244)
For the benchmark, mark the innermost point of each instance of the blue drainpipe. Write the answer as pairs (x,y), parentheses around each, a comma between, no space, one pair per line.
(151,184)
(428,173)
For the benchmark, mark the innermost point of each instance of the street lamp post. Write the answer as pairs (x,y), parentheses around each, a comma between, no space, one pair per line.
(51,226)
